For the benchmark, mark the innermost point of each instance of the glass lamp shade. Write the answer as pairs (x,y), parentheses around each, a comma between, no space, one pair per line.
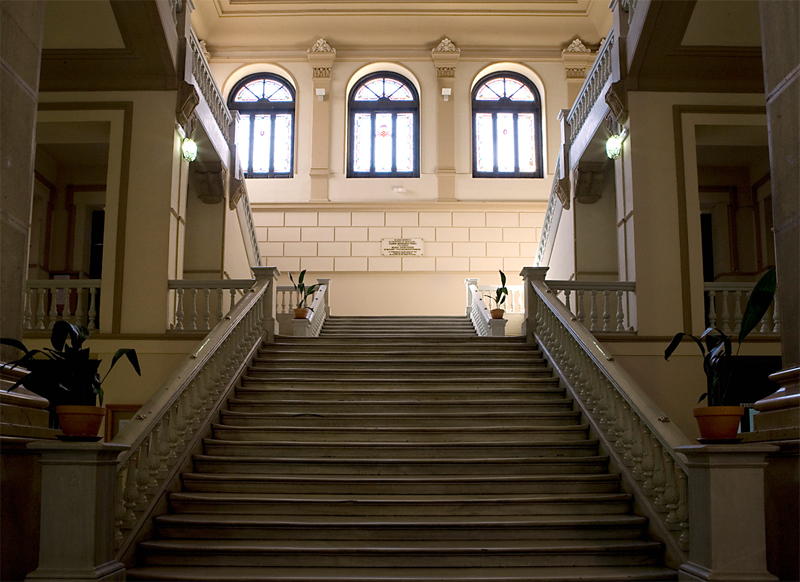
(614,147)
(189,150)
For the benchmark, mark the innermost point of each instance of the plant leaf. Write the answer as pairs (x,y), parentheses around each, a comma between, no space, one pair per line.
(502,279)
(676,342)
(757,305)
(703,397)
(8,341)
(129,353)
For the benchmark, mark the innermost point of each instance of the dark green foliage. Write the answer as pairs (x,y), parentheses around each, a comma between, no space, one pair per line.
(301,288)
(64,374)
(717,351)
(501,292)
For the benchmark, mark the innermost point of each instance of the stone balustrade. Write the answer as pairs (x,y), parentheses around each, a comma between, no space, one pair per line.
(725,304)
(318,312)
(602,306)
(200,305)
(74,300)
(592,89)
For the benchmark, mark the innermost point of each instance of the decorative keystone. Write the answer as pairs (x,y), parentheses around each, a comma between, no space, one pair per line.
(445,58)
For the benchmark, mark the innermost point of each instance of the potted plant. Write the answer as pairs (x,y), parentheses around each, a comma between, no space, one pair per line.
(67,377)
(720,419)
(303,292)
(499,297)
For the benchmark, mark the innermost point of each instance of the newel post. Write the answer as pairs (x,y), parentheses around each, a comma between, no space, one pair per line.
(76,536)
(270,319)
(327,297)
(467,283)
(530,275)
(727,539)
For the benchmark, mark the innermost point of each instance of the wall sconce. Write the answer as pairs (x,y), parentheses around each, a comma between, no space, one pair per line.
(320,94)
(614,144)
(446,92)
(189,149)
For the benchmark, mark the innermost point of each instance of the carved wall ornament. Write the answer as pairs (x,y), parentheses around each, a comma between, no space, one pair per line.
(561,189)
(322,72)
(188,99)
(617,99)
(238,188)
(588,179)
(322,46)
(204,50)
(446,72)
(210,183)
(447,46)
(578,73)
(576,46)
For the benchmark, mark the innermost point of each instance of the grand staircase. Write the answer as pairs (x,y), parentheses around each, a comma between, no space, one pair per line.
(400,449)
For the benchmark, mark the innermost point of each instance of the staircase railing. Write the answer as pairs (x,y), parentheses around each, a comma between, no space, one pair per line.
(515,302)
(208,87)
(592,88)
(170,426)
(477,310)
(608,304)
(200,305)
(318,312)
(725,305)
(637,435)
(48,300)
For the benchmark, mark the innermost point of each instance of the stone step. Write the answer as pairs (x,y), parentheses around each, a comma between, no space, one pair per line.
(455,574)
(405,485)
(372,450)
(323,346)
(601,500)
(294,361)
(410,406)
(498,343)
(397,554)
(400,467)
(422,355)
(400,434)
(399,528)
(400,418)
(482,374)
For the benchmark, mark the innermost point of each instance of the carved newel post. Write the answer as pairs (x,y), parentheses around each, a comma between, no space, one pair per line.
(270,319)
(530,275)
(76,538)
(726,503)
(498,327)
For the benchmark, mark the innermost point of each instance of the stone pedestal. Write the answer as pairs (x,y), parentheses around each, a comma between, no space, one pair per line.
(726,512)
(76,540)
(498,327)
(270,318)
(529,275)
(301,327)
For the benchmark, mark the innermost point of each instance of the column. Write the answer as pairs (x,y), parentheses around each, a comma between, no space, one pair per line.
(321,57)
(445,58)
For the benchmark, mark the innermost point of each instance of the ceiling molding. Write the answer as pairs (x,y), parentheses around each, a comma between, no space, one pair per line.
(359,54)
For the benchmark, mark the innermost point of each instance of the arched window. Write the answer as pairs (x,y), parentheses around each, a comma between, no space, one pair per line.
(507,128)
(384,128)
(265,133)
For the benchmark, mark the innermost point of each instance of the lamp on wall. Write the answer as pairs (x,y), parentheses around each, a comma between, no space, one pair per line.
(614,144)
(320,94)
(189,149)
(446,92)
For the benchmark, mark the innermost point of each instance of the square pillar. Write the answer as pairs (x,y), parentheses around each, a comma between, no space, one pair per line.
(498,327)
(445,58)
(321,57)
(270,318)
(76,539)
(530,275)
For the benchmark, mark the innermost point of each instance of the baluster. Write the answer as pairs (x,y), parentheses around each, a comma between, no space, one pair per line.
(580,315)
(153,462)
(27,320)
(68,314)
(281,301)
(119,511)
(187,413)
(712,309)
(142,478)
(79,306)
(593,313)
(566,300)
(606,313)
(627,434)
(179,308)
(766,325)
(725,313)
(180,424)
(671,493)
(233,300)
(209,390)
(218,315)
(53,315)
(192,323)
(131,494)
(206,308)
(683,510)
(40,312)
(737,314)
(172,438)
(197,403)
(659,479)
(776,328)
(92,317)
(637,447)
(618,428)
(163,449)
(620,312)
(647,463)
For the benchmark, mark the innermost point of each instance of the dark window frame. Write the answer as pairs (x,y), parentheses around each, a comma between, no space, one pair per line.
(383,105)
(506,105)
(267,108)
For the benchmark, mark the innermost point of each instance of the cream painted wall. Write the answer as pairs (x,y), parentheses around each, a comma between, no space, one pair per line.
(235,262)
(562,259)
(595,235)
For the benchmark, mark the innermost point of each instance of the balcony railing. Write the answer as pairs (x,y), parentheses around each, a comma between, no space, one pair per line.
(725,304)
(201,305)
(74,300)
(208,88)
(592,87)
(602,306)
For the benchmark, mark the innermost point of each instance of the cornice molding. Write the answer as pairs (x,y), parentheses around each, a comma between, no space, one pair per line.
(403,53)
(415,206)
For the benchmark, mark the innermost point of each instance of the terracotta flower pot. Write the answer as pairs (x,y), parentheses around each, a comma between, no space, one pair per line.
(82,421)
(718,422)
(301,313)
(497,313)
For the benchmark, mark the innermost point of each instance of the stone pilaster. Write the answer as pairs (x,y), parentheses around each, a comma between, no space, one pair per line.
(577,61)
(445,58)
(321,57)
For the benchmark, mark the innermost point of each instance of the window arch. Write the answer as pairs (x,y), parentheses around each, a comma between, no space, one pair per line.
(506,127)
(265,133)
(384,127)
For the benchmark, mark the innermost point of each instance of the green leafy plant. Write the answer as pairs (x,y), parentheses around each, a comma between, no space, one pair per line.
(501,293)
(717,352)
(303,291)
(65,374)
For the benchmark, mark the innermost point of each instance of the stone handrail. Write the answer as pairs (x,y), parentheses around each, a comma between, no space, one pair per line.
(208,87)
(477,310)
(725,306)
(244,204)
(318,312)
(635,433)
(77,298)
(514,302)
(202,304)
(617,299)
(549,216)
(162,436)
(592,87)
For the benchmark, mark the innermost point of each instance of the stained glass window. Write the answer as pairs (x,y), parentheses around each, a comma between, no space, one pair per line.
(384,128)
(506,128)
(265,131)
